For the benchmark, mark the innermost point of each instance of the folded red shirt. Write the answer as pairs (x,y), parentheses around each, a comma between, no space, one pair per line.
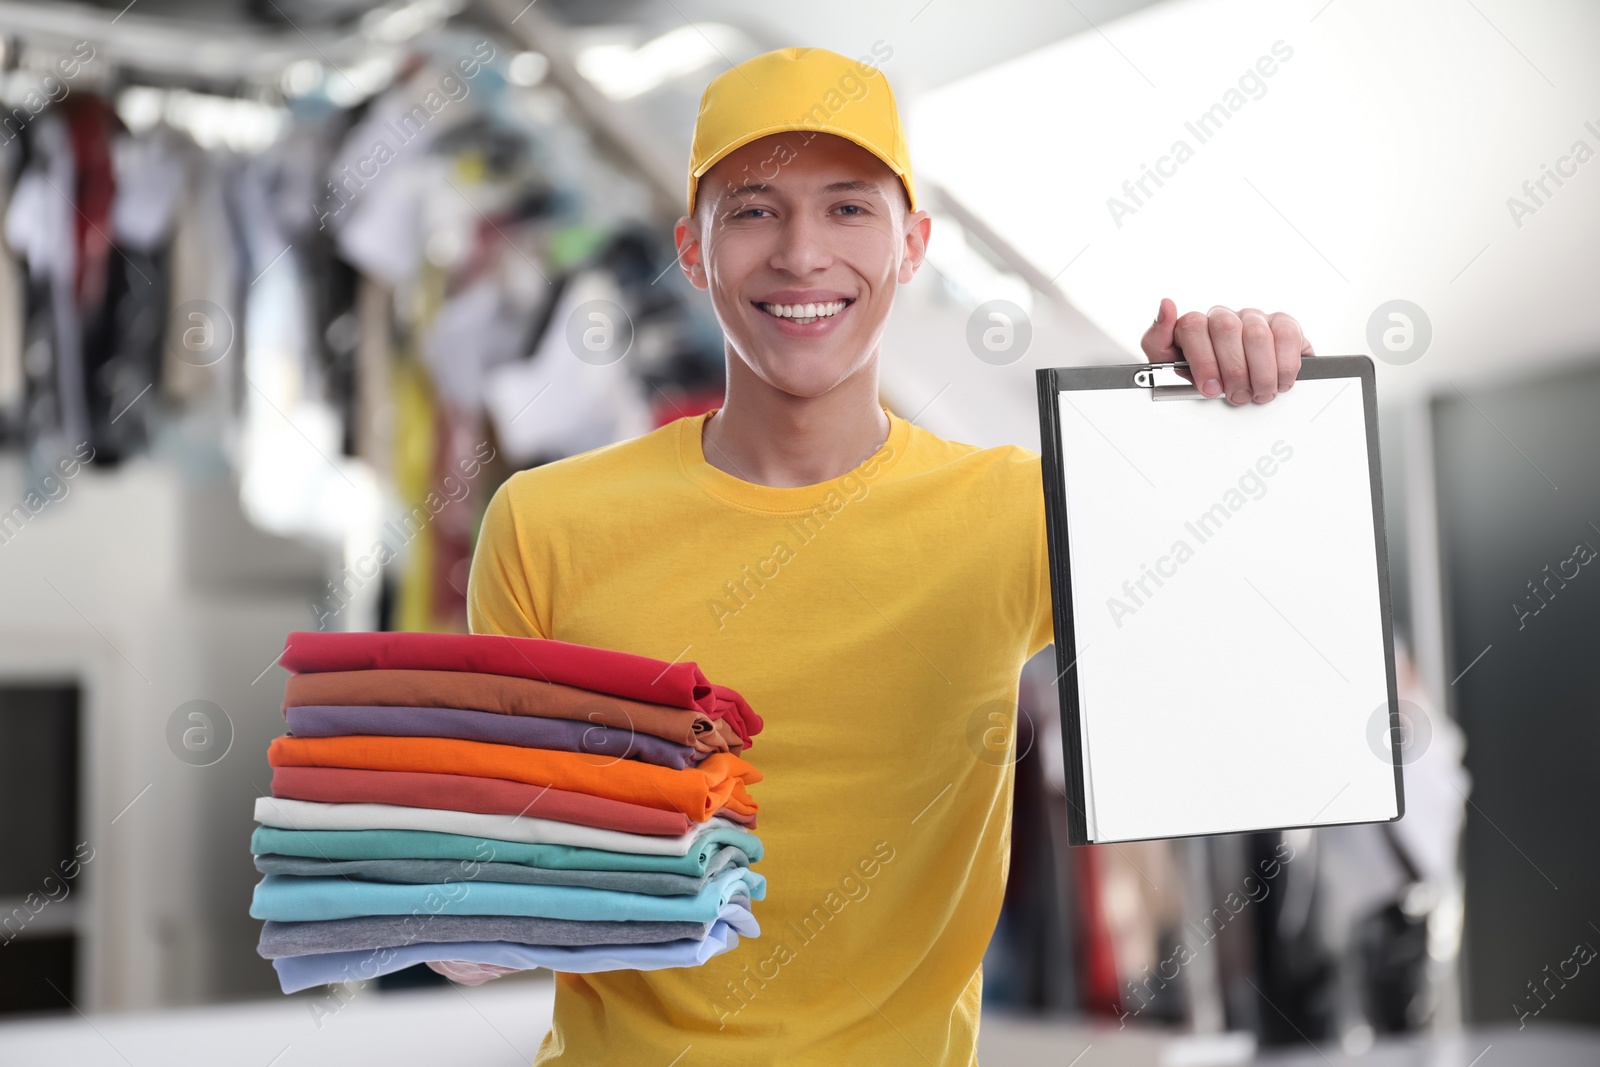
(601,670)
(487,796)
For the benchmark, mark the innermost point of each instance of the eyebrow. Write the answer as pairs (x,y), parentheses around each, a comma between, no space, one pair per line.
(851,185)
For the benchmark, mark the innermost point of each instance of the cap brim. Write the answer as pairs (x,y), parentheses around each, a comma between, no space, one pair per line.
(791,127)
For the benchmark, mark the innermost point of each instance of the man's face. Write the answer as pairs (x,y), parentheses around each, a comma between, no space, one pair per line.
(801,243)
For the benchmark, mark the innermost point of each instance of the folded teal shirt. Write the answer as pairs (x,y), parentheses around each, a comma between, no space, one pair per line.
(430,844)
(286,898)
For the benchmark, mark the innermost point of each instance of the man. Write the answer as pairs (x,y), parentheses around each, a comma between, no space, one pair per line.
(871,589)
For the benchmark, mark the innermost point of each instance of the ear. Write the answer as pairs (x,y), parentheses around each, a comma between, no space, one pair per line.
(686,235)
(919,225)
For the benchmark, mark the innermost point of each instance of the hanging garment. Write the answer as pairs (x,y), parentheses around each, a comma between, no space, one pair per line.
(478,328)
(91,123)
(13,309)
(152,178)
(204,323)
(122,354)
(1099,979)
(383,176)
(459,440)
(568,398)
(41,224)
(1295,970)
(415,450)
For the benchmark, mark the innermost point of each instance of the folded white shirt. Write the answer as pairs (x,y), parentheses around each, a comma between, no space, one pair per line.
(313,815)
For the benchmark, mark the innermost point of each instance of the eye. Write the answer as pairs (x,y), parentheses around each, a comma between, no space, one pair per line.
(855,209)
(746,213)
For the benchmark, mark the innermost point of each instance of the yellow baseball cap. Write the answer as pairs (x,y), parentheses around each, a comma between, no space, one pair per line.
(802,89)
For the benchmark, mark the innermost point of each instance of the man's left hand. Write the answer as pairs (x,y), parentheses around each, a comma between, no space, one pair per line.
(1247,355)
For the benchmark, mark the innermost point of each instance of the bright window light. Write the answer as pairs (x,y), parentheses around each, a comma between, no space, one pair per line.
(213,121)
(622,72)
(527,68)
(1244,153)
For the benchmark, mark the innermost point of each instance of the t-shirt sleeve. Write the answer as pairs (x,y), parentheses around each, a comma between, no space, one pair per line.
(1044,629)
(501,598)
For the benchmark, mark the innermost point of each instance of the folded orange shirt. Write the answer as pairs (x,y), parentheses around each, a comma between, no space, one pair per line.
(699,791)
(487,796)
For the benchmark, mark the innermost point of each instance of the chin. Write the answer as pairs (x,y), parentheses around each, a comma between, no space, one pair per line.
(807,375)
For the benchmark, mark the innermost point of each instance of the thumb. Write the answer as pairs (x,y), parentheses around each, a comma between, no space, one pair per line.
(1157,340)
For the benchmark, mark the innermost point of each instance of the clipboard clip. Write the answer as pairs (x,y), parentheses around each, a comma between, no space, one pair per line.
(1174,388)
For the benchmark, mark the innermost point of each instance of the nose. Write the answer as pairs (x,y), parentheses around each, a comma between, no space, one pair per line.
(802,245)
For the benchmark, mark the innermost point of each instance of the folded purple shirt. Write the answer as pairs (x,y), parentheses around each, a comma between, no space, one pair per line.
(565,735)
(324,968)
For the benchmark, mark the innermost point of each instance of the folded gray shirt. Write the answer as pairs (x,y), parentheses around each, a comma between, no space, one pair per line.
(433,871)
(388,931)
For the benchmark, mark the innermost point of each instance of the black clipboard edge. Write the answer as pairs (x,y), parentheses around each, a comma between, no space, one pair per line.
(1119,376)
(1365,366)
(1061,578)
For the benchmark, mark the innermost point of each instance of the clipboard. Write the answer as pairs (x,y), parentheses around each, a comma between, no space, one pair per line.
(1186,533)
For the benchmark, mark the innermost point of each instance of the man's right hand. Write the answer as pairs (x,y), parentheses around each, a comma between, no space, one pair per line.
(469,973)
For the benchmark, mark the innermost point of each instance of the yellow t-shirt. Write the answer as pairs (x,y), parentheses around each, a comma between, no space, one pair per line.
(878,623)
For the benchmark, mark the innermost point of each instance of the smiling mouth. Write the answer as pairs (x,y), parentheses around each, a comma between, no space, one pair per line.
(800,314)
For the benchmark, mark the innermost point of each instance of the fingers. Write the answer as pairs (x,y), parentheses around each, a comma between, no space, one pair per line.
(1260,354)
(1227,341)
(1246,355)
(1192,336)
(464,973)
(1289,346)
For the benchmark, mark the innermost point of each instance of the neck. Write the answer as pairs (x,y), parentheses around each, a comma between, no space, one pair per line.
(765,435)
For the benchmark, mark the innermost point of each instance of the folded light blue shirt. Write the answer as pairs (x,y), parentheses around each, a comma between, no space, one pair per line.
(322,968)
(287,898)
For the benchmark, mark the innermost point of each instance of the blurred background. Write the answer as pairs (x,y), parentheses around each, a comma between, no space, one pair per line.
(276,273)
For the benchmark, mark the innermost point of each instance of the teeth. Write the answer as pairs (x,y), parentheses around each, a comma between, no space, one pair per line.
(805,312)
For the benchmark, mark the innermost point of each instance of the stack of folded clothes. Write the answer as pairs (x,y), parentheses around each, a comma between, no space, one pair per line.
(501,800)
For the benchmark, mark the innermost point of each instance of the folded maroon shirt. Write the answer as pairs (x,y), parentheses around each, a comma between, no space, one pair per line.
(461,792)
(602,670)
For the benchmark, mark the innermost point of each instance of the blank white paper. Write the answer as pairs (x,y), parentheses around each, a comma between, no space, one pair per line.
(1226,611)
